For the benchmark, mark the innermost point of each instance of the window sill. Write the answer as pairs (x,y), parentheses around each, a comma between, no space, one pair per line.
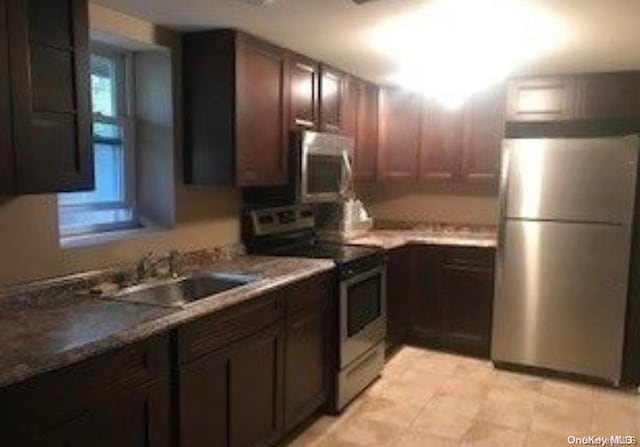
(93,239)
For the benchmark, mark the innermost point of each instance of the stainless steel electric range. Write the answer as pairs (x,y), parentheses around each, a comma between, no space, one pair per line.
(362,307)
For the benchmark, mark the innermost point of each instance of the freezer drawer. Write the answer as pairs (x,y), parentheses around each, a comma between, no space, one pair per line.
(561,297)
(585,180)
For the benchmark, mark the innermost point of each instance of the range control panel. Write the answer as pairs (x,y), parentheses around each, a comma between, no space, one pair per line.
(268,221)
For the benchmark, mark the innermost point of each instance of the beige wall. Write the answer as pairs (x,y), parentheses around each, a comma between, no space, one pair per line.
(426,202)
(206,216)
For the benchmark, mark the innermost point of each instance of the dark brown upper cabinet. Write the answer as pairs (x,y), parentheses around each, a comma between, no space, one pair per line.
(365,160)
(331,97)
(608,96)
(440,142)
(6,148)
(483,134)
(304,92)
(360,122)
(49,83)
(419,138)
(597,96)
(235,109)
(541,99)
(349,112)
(399,134)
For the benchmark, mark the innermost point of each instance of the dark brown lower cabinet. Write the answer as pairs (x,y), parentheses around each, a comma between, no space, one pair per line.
(308,354)
(117,399)
(136,419)
(255,398)
(70,434)
(204,401)
(272,375)
(305,362)
(467,297)
(243,378)
(451,306)
(231,396)
(425,305)
(400,285)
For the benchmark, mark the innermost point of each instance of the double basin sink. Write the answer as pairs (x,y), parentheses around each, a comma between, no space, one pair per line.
(182,291)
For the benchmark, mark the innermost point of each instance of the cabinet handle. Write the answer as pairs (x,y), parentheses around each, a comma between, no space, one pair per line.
(304,123)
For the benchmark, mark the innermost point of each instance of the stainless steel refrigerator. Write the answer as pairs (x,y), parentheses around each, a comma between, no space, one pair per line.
(567,207)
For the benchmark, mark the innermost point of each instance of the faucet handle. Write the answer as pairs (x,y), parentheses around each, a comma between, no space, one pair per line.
(144,265)
(174,261)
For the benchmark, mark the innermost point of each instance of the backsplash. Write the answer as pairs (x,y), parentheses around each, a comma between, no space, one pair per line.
(425,202)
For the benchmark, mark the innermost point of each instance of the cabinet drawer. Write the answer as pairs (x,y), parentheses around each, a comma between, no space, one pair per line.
(45,401)
(312,292)
(210,333)
(469,256)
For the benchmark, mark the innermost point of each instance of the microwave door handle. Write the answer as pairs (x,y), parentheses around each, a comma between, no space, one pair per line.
(347,175)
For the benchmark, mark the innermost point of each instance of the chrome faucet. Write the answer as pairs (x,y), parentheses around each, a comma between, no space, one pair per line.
(146,267)
(174,264)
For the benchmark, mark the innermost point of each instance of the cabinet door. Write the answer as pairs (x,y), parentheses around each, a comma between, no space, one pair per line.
(441,142)
(306,364)
(484,131)
(399,134)
(255,389)
(233,396)
(425,303)
(71,434)
(541,99)
(365,159)
(204,401)
(331,93)
(350,100)
(467,294)
(304,85)
(140,418)
(50,88)
(608,96)
(400,287)
(6,143)
(261,131)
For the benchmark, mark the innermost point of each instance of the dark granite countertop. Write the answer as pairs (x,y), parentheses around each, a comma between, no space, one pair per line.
(40,335)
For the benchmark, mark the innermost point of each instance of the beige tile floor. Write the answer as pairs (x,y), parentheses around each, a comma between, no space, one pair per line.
(432,399)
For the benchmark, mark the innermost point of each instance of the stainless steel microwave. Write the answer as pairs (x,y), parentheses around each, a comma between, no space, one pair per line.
(324,174)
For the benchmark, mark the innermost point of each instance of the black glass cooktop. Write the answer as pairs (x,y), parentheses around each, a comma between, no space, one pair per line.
(340,253)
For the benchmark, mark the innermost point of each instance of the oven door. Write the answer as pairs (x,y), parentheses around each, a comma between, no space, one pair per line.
(326,168)
(363,313)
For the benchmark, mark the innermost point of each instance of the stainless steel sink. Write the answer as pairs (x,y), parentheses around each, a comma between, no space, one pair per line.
(183,291)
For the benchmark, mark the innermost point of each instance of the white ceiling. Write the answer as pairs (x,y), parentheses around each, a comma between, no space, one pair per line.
(600,35)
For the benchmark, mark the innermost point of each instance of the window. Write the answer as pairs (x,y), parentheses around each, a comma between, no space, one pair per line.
(110,206)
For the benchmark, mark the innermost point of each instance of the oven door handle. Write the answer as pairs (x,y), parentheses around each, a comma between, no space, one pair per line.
(365,275)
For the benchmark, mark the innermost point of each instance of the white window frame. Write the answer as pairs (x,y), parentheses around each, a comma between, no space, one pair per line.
(125,118)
